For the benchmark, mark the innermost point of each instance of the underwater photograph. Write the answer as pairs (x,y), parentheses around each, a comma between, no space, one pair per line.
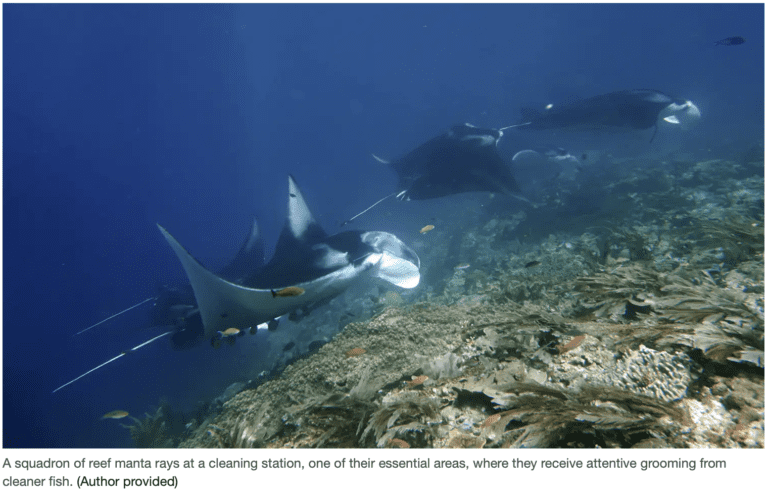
(383,226)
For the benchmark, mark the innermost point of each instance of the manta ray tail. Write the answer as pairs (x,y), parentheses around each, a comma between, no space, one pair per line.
(380,160)
(515,126)
(115,315)
(397,194)
(113,359)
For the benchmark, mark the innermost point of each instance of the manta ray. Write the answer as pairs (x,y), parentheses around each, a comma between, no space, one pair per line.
(174,305)
(308,268)
(307,259)
(248,260)
(463,159)
(638,109)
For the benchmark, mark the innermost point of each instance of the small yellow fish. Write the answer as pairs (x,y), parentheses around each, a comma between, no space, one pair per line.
(289,291)
(426,228)
(230,332)
(115,415)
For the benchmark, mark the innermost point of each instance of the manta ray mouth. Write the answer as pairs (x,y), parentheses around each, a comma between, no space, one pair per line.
(398,271)
(685,115)
(398,263)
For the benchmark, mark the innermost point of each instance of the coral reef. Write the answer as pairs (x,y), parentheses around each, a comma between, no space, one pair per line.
(651,373)
(635,319)
(163,429)
(407,417)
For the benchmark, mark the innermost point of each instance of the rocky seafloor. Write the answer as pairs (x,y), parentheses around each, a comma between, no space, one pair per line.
(635,322)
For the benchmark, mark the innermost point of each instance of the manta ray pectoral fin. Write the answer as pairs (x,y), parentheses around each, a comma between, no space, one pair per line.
(224,304)
(248,260)
(301,222)
(672,119)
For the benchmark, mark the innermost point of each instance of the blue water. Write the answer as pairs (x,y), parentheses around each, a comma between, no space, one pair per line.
(118,117)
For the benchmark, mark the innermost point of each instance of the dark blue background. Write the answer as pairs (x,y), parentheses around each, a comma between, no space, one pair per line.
(118,117)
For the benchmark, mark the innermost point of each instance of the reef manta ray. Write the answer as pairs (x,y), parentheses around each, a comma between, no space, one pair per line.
(637,109)
(463,159)
(305,257)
